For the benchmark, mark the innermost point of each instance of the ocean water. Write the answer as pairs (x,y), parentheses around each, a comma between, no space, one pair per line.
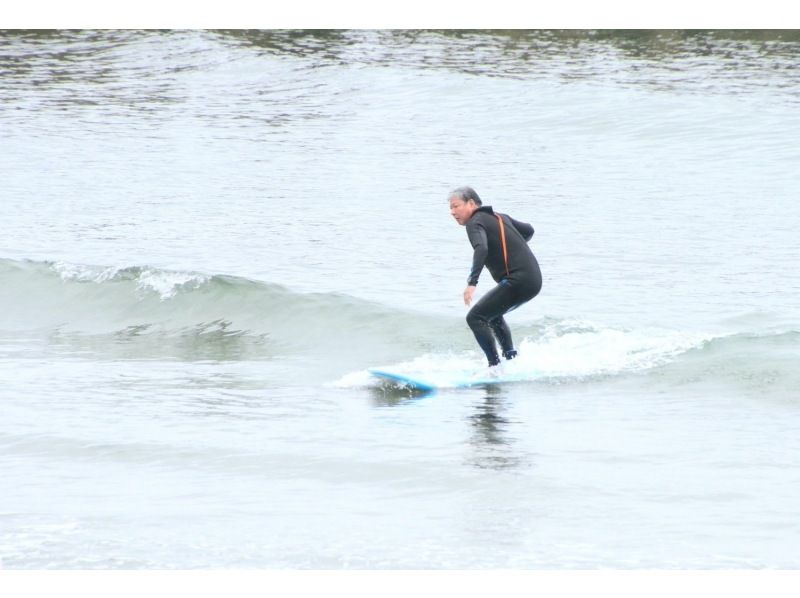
(208,237)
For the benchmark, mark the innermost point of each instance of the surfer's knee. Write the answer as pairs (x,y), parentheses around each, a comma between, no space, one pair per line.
(476,319)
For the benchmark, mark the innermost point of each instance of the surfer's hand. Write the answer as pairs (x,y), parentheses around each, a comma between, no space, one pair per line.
(468,293)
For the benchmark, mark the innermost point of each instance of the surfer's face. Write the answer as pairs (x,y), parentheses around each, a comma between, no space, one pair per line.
(462,210)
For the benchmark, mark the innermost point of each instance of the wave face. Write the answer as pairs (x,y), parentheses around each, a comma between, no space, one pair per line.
(146,312)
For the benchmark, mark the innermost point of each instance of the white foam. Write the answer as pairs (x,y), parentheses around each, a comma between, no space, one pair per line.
(354,380)
(571,350)
(166,284)
(83,273)
(596,351)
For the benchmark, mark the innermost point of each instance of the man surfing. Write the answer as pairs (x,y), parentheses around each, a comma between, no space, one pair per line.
(501,244)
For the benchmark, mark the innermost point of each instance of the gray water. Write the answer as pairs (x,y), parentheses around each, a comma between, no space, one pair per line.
(208,237)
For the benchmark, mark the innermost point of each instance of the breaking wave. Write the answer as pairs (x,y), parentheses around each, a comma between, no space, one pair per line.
(147,312)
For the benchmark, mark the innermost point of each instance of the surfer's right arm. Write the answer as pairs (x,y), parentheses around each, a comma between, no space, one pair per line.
(468,293)
(480,244)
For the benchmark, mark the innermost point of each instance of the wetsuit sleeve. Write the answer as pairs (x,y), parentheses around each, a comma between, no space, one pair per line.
(525,229)
(477,237)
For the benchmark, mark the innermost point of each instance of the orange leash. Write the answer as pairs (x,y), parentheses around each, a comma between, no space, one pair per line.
(503,240)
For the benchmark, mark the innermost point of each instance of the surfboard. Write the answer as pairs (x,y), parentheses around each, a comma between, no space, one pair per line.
(403,380)
(415,383)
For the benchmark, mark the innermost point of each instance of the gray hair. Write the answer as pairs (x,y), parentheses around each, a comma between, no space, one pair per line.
(466,194)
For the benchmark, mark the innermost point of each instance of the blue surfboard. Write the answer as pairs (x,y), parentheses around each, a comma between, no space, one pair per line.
(403,380)
(417,383)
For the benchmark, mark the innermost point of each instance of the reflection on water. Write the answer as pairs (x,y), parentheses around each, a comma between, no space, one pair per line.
(488,423)
(389,394)
(492,438)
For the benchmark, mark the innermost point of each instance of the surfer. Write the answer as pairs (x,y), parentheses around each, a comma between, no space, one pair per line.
(501,244)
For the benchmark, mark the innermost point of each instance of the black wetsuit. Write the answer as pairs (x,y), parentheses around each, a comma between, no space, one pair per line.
(521,283)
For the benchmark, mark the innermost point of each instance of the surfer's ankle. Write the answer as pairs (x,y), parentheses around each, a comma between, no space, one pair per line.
(510,354)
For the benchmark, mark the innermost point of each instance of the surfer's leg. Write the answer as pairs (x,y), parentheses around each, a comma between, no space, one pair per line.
(482,320)
(505,297)
(503,335)
(483,334)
